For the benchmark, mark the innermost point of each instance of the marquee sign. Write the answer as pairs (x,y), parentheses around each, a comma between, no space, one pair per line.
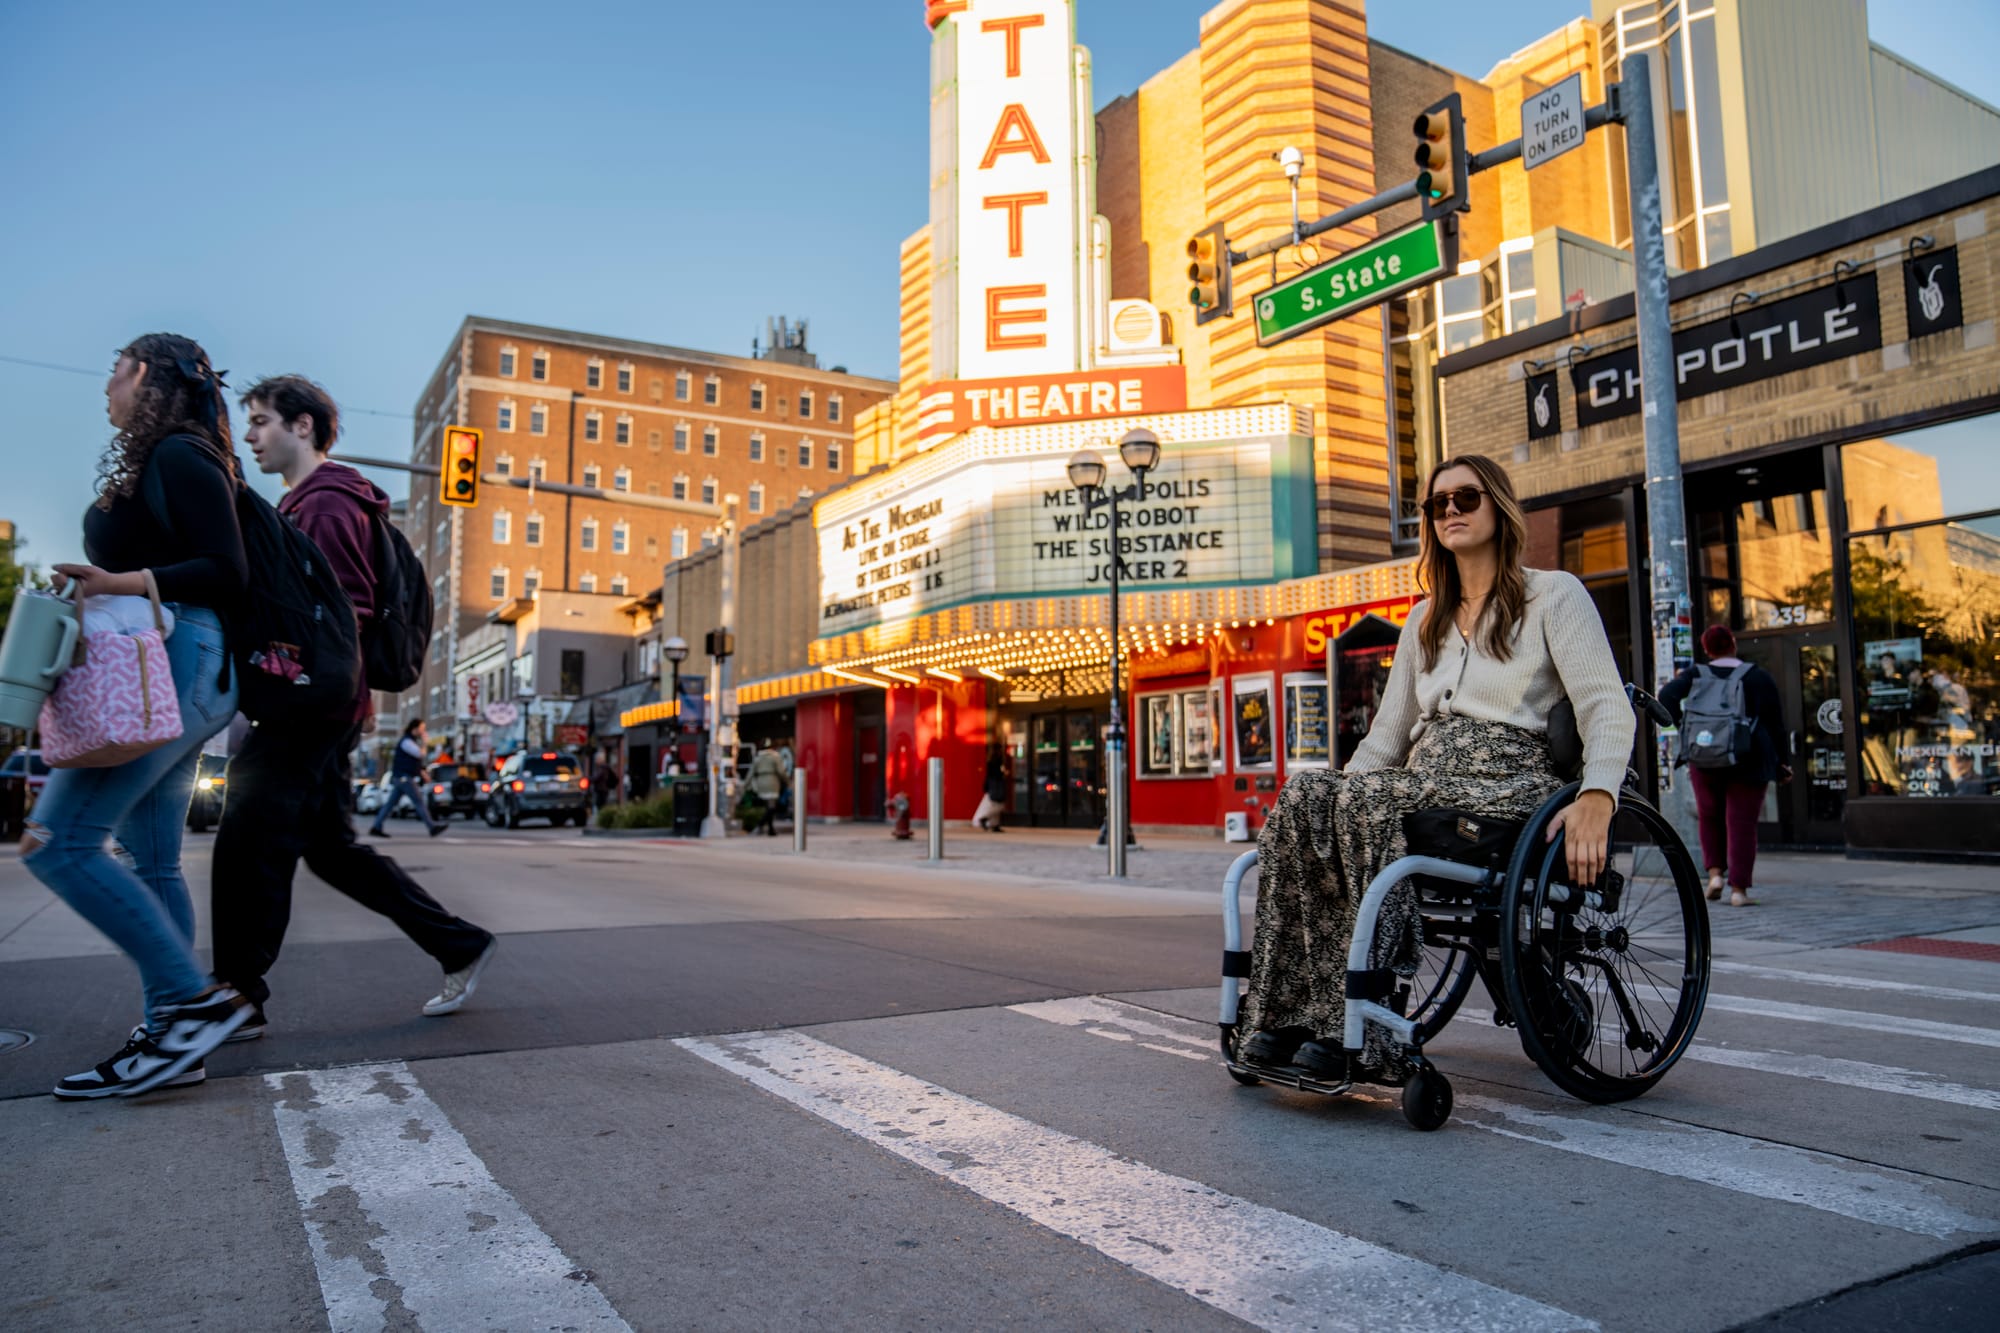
(1034,400)
(1216,512)
(1010,200)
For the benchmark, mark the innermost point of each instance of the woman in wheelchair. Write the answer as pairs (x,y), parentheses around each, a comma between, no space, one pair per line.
(1463,724)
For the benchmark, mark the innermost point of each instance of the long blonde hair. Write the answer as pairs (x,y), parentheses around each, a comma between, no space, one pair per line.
(1437,568)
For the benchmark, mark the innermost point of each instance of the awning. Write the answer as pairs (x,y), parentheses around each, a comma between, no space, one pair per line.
(601,712)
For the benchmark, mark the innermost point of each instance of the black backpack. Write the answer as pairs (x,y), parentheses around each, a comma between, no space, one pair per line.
(293,636)
(398,635)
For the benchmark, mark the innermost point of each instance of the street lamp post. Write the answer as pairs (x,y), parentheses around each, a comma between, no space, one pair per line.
(675,650)
(1140,450)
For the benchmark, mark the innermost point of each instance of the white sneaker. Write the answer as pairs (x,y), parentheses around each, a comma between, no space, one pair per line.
(188,1032)
(459,985)
(138,1057)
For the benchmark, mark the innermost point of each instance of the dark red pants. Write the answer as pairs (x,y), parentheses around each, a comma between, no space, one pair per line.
(1728,807)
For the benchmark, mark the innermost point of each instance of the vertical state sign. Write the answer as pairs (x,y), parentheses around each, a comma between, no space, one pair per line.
(1010,189)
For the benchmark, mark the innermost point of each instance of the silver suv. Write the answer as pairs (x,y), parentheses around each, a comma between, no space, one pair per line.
(542,785)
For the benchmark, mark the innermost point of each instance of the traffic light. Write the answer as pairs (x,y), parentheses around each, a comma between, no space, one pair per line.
(1208,274)
(1440,159)
(458,479)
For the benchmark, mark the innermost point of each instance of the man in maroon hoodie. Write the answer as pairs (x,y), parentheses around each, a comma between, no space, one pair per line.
(290,787)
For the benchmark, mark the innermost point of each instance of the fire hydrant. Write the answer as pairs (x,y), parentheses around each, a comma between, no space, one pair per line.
(899,814)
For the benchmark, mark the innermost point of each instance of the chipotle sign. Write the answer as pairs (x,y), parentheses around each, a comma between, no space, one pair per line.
(1755,343)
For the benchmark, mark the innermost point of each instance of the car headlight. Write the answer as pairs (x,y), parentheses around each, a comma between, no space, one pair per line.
(206,784)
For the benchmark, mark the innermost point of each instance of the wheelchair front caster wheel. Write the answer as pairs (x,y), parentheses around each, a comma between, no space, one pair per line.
(1427,1099)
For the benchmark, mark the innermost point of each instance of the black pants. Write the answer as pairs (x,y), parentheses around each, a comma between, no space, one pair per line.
(291,797)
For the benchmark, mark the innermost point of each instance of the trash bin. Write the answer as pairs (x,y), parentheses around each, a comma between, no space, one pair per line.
(690,804)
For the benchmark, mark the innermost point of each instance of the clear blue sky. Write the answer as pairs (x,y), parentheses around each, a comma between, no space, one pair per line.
(330,188)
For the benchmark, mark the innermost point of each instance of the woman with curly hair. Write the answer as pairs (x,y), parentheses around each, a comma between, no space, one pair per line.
(1482,662)
(166,504)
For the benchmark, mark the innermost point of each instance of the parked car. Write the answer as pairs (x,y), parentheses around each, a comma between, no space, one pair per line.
(458,789)
(544,785)
(210,786)
(22,778)
(368,796)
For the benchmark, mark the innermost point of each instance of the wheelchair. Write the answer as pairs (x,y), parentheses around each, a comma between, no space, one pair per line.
(1604,982)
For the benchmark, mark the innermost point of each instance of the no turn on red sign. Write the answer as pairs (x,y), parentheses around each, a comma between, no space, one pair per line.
(1552,122)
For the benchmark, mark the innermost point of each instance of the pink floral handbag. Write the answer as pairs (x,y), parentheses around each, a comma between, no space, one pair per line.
(117,701)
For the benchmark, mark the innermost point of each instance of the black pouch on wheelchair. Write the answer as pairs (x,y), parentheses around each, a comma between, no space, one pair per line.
(1458,835)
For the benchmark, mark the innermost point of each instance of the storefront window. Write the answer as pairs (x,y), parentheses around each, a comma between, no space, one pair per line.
(1927,638)
(1766,563)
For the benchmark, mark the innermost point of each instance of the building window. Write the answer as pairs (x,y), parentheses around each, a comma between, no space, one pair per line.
(681,487)
(805,405)
(707,539)
(504,465)
(711,391)
(593,374)
(1517,285)
(680,437)
(496,587)
(653,440)
(593,426)
(586,534)
(708,490)
(756,448)
(621,537)
(590,476)
(677,545)
(833,457)
(710,438)
(625,378)
(586,583)
(538,469)
(503,528)
(1463,300)
(538,365)
(833,407)
(531,531)
(683,386)
(624,432)
(503,417)
(756,497)
(618,585)
(756,398)
(531,583)
(538,419)
(805,453)
(621,480)
(507,356)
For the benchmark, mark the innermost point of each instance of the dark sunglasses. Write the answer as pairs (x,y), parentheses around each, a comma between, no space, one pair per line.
(1466,499)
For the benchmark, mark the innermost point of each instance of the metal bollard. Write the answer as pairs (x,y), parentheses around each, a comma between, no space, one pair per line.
(1116,817)
(936,810)
(798,807)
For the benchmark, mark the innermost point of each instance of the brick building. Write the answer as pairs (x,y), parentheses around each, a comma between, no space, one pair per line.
(619,416)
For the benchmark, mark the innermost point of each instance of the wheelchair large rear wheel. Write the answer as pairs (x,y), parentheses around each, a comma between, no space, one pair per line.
(1606,998)
(1444,977)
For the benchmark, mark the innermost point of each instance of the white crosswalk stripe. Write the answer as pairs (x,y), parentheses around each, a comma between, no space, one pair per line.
(1734,1162)
(1859,1019)
(1841,981)
(1266,1267)
(407,1227)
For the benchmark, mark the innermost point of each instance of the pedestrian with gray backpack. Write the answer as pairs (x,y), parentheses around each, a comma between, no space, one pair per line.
(1734,744)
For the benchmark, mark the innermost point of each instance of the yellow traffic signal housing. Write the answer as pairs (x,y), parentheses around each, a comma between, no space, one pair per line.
(458,478)
(1440,159)
(1208,274)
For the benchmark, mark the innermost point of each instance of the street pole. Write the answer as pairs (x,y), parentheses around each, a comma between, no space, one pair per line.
(1115,815)
(719,730)
(1666,515)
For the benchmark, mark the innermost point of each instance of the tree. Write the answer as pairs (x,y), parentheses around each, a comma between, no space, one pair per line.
(14,576)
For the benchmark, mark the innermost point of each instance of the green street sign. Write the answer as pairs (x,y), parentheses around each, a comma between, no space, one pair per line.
(1377,271)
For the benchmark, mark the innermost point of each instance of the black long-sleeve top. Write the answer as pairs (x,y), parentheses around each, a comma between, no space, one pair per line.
(197,556)
(1760,695)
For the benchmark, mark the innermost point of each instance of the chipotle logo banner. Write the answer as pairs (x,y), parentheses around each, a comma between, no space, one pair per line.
(1757,342)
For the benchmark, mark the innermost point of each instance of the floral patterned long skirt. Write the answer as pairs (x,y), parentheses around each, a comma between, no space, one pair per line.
(1326,839)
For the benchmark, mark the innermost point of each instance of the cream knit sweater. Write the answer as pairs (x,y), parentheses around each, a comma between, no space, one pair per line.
(1560,649)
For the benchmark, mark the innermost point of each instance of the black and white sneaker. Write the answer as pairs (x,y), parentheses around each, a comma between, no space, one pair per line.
(111,1077)
(253,1026)
(188,1032)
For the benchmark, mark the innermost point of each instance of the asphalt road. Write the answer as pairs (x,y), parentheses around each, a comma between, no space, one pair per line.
(724,1087)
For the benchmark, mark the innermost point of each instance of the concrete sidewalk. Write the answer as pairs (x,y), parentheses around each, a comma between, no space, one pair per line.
(1822,900)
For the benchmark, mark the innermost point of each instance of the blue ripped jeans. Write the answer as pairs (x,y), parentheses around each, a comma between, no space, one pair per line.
(144,804)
